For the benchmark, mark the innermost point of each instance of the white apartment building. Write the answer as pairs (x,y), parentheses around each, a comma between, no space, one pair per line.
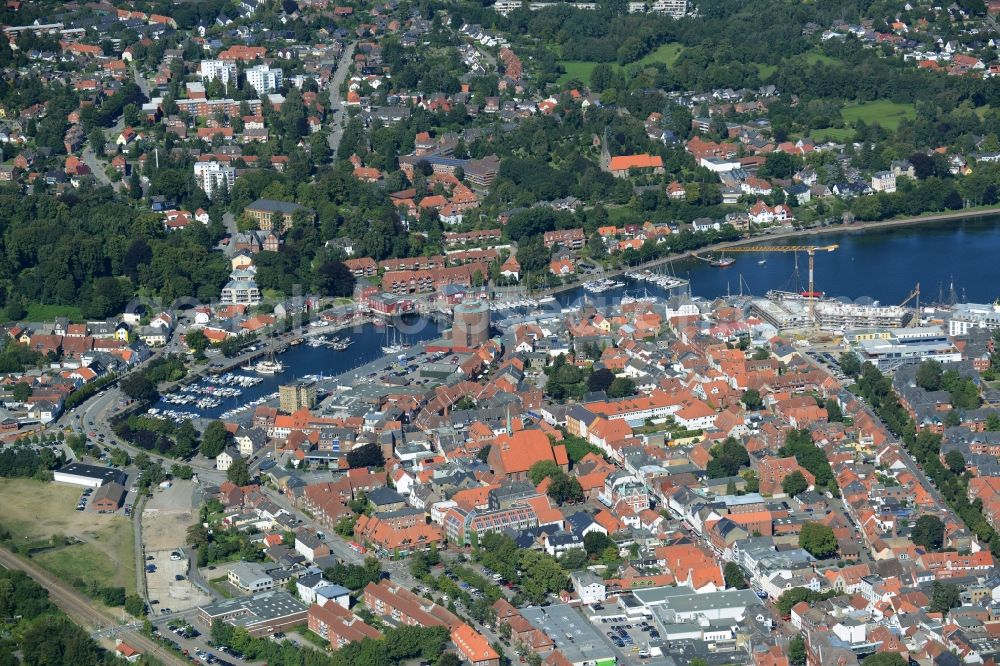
(213,176)
(210,70)
(265,79)
(884,181)
(672,8)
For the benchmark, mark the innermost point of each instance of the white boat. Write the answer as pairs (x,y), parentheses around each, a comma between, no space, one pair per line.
(394,349)
(547,299)
(762,262)
(269,367)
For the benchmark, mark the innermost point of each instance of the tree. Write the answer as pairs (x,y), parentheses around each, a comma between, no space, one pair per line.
(449,659)
(818,540)
(794,483)
(734,576)
(600,380)
(196,341)
(56,640)
(22,391)
(215,439)
(929,375)
(849,364)
(727,459)
(135,606)
(334,279)
(596,542)
(928,532)
(565,488)
(369,455)
(884,659)
(621,387)
(955,461)
(797,650)
(833,411)
(751,399)
(238,472)
(138,387)
(541,470)
(944,597)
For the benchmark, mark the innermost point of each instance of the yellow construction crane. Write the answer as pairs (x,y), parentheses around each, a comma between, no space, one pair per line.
(810,250)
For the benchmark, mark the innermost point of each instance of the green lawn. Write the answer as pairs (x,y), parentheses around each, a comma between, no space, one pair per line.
(666,53)
(581,69)
(832,134)
(814,57)
(109,561)
(765,70)
(887,114)
(40,312)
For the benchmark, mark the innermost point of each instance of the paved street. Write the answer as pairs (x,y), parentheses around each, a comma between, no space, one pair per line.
(336,103)
(97,167)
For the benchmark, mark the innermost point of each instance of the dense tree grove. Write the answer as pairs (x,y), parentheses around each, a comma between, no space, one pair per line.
(35,628)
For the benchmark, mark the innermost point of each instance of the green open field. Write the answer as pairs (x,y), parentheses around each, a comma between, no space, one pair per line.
(581,69)
(40,312)
(35,511)
(814,57)
(885,113)
(832,134)
(108,558)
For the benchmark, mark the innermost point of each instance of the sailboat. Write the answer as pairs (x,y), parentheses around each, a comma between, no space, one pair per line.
(269,366)
(722,262)
(396,346)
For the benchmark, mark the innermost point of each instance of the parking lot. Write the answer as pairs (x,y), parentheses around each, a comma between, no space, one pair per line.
(162,572)
(165,520)
(636,639)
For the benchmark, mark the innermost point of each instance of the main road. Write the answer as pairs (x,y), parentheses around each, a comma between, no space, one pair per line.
(83,611)
(336,103)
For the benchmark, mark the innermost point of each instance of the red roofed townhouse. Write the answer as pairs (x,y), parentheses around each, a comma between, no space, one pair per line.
(388,599)
(619,166)
(473,647)
(338,625)
(512,455)
(772,471)
(561,267)
(243,52)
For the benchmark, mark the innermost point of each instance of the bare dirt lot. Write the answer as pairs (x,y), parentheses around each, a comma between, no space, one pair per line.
(165,520)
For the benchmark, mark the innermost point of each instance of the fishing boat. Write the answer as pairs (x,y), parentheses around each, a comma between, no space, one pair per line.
(722,262)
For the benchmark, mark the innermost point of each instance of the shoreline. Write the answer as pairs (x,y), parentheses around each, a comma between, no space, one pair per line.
(766,239)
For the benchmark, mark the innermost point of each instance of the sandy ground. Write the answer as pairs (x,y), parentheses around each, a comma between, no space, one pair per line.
(165,520)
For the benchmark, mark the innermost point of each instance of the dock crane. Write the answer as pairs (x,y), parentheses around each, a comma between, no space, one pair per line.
(810,250)
(913,294)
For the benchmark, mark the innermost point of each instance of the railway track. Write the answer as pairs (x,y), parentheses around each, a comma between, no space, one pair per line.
(81,610)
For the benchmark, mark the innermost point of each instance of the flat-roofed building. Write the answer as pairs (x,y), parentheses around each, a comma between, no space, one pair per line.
(261,614)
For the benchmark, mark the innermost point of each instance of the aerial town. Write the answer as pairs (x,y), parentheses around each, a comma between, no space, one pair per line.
(657,332)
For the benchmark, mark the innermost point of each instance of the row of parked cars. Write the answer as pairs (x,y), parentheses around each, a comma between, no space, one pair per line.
(82,504)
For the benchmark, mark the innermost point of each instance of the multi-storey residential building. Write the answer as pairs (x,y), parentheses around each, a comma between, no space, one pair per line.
(221,70)
(338,625)
(241,289)
(672,8)
(271,214)
(406,608)
(464,526)
(574,239)
(200,107)
(214,176)
(264,78)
